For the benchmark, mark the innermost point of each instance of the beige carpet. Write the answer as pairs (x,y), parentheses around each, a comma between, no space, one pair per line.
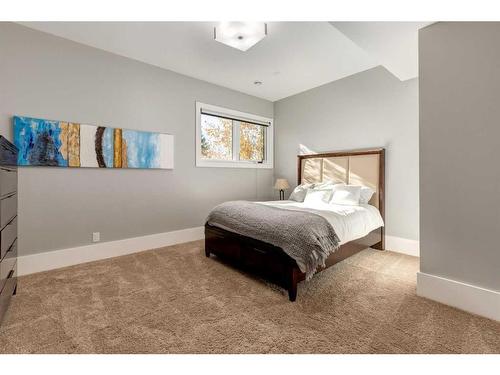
(174,300)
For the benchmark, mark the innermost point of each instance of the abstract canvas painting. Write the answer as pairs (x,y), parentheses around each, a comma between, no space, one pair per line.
(66,144)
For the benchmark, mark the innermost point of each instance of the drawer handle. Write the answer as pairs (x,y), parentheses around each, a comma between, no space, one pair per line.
(259,250)
(11,247)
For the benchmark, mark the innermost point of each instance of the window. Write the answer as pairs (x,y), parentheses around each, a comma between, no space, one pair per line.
(228,138)
(216,138)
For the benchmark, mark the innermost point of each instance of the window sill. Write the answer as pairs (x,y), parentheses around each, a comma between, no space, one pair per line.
(228,164)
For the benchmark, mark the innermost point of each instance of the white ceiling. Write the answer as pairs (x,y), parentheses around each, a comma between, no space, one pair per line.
(392,44)
(294,57)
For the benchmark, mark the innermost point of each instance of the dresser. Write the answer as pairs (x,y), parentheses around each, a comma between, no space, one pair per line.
(8,223)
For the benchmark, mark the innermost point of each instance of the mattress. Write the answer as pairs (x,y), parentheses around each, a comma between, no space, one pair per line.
(349,222)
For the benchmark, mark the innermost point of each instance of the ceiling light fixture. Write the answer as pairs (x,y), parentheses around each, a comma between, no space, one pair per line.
(240,35)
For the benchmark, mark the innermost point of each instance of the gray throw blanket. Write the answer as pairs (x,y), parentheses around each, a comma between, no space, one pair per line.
(306,237)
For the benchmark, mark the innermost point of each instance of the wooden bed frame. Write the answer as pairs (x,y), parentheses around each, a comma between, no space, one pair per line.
(271,262)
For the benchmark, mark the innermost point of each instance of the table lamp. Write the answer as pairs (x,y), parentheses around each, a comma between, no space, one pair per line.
(281,185)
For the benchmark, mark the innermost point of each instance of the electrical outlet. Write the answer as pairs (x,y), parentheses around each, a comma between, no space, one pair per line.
(96,236)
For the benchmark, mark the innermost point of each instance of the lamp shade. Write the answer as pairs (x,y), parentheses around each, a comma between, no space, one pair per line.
(281,184)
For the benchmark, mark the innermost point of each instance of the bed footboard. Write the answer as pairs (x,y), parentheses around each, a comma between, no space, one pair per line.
(271,262)
(257,257)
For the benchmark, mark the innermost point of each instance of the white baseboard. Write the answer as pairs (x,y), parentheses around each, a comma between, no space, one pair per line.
(67,257)
(471,298)
(50,260)
(402,245)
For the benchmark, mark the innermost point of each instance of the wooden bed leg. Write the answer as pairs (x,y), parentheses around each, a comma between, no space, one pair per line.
(207,252)
(380,245)
(292,290)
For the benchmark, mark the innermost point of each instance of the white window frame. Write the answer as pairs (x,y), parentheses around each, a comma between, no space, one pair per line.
(269,142)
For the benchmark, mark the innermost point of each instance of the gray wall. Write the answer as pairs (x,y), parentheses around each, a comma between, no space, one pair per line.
(460,152)
(369,109)
(49,77)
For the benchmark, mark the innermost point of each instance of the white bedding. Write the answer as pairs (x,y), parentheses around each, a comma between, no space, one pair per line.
(349,222)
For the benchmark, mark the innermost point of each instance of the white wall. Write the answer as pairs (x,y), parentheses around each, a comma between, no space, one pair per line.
(459,165)
(369,109)
(48,77)
(59,79)
(459,152)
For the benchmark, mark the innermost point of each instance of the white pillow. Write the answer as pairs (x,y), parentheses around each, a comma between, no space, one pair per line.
(366,194)
(299,193)
(346,195)
(318,196)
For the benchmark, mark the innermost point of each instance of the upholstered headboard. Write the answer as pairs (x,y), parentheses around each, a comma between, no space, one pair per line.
(359,167)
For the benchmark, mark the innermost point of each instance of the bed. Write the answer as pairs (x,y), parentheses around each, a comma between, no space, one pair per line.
(357,227)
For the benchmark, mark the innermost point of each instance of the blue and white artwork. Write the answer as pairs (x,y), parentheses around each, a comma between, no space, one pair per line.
(65,144)
(40,142)
(144,149)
